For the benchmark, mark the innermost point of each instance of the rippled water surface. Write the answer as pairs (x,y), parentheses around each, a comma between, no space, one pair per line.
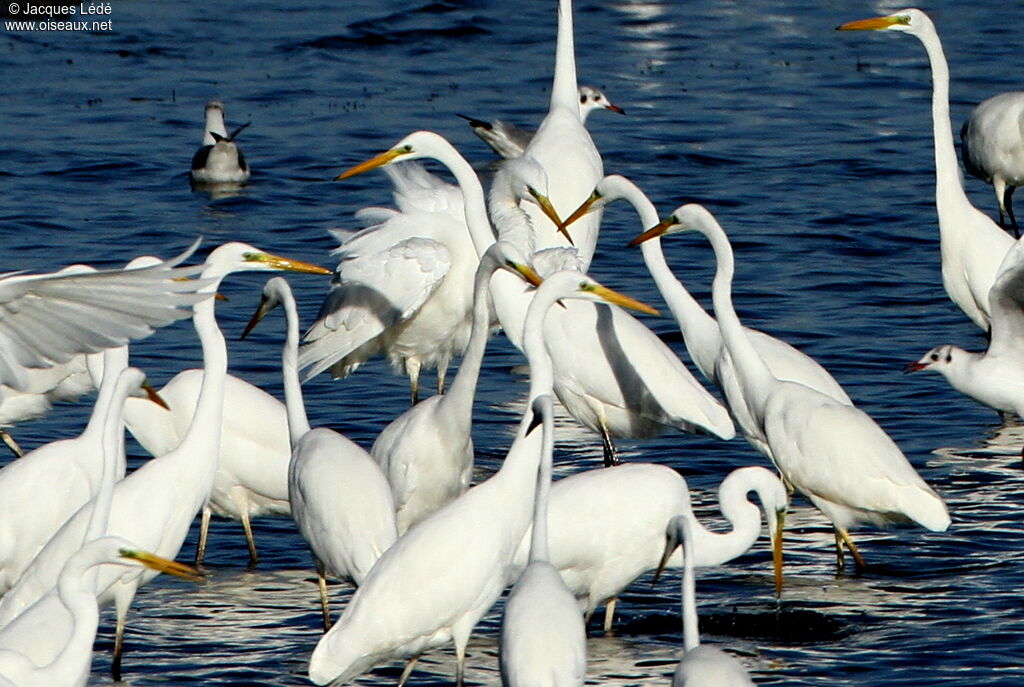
(814,150)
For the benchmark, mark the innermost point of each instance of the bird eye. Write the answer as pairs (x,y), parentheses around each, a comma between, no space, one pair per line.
(935,356)
(903,19)
(583,99)
(407,148)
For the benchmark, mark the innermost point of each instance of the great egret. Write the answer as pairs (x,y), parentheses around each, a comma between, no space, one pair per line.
(219,160)
(252,468)
(404,287)
(700,330)
(49,318)
(72,665)
(607,527)
(543,637)
(831,452)
(564,148)
(996,377)
(68,468)
(155,505)
(341,501)
(612,374)
(443,575)
(509,141)
(971,244)
(992,146)
(427,452)
(702,665)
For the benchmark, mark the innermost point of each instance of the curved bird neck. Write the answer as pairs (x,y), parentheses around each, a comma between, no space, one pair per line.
(295,405)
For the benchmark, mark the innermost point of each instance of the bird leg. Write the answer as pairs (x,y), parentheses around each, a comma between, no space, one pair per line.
(204,532)
(412,368)
(1008,202)
(460,664)
(407,671)
(843,537)
(11,443)
(115,663)
(325,603)
(254,557)
(611,456)
(442,373)
(609,614)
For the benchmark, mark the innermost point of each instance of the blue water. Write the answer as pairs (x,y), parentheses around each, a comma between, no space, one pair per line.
(814,150)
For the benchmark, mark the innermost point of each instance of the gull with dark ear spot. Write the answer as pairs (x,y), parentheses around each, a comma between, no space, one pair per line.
(509,141)
(219,160)
(994,378)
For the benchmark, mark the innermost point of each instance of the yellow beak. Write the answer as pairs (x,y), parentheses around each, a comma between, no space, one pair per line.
(163,565)
(873,24)
(153,396)
(278,262)
(582,209)
(657,230)
(549,211)
(620,300)
(373,163)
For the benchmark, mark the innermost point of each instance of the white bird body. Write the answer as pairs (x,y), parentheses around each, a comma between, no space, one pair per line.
(427,452)
(602,389)
(563,147)
(971,244)
(252,470)
(156,504)
(543,638)
(219,160)
(44,387)
(992,146)
(341,501)
(702,665)
(509,141)
(50,318)
(443,575)
(607,527)
(996,377)
(68,471)
(833,453)
(403,286)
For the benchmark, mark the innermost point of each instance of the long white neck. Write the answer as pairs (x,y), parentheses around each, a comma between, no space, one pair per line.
(755,377)
(106,367)
(564,91)
(699,329)
(472,192)
(459,398)
(544,405)
(691,632)
(949,187)
(298,421)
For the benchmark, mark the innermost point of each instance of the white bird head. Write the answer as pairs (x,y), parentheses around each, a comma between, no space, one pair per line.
(523,178)
(594,99)
(689,217)
(935,359)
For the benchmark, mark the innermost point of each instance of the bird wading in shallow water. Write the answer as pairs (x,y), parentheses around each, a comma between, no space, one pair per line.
(831,452)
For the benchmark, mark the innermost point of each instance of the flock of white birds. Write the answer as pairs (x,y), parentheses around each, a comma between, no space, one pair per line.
(423,284)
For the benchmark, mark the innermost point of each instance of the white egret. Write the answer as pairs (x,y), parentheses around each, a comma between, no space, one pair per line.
(700,330)
(996,377)
(45,387)
(341,501)
(443,575)
(831,452)
(404,287)
(72,665)
(971,244)
(155,505)
(702,665)
(992,146)
(49,318)
(68,468)
(564,148)
(607,527)
(252,468)
(427,452)
(543,638)
(219,160)
(626,382)
(509,141)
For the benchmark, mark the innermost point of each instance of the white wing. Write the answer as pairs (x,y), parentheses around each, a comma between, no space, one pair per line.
(1006,304)
(48,318)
